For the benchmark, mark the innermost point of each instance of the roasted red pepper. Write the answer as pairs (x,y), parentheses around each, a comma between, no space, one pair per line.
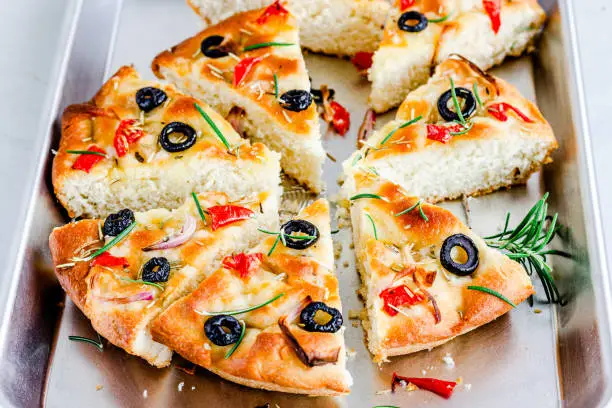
(222,215)
(341,119)
(244,67)
(493,9)
(441,133)
(404,4)
(274,9)
(243,263)
(106,259)
(399,296)
(86,161)
(125,135)
(362,60)
(442,388)
(499,111)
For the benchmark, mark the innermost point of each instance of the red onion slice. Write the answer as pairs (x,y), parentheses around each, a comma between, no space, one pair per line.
(137,297)
(173,241)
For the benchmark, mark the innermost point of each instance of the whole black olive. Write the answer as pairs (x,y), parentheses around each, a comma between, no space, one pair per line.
(295,100)
(115,223)
(149,98)
(412,21)
(177,127)
(297,227)
(223,330)
(210,47)
(469,105)
(156,270)
(466,243)
(307,318)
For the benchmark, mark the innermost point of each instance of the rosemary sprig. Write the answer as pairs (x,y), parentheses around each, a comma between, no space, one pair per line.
(140,281)
(274,245)
(111,244)
(275,86)
(201,211)
(213,126)
(302,237)
(86,152)
(456,102)
(240,311)
(373,226)
(477,95)
(98,343)
(419,205)
(366,195)
(527,242)
(441,19)
(356,159)
(265,45)
(391,133)
(492,292)
(465,129)
(231,351)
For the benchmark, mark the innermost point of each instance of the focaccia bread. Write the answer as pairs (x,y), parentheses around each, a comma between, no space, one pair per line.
(419,34)
(152,259)
(250,69)
(337,27)
(141,145)
(419,266)
(504,139)
(280,344)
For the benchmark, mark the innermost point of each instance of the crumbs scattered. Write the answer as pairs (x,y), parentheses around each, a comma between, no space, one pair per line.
(351,353)
(537,311)
(145,394)
(467,387)
(99,387)
(180,386)
(354,314)
(448,360)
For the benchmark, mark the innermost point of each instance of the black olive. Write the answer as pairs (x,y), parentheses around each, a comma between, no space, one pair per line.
(156,270)
(469,105)
(295,100)
(177,127)
(412,21)
(223,330)
(307,318)
(317,95)
(115,223)
(150,98)
(462,241)
(210,47)
(295,227)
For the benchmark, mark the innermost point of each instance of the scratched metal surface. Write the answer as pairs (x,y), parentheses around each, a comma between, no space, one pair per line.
(558,357)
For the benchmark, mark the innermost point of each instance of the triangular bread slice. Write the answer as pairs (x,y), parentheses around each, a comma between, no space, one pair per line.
(110,291)
(405,59)
(250,69)
(127,165)
(276,353)
(503,142)
(335,27)
(399,258)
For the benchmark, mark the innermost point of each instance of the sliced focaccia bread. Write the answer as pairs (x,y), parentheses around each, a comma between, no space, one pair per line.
(427,277)
(271,317)
(420,34)
(500,139)
(250,69)
(124,270)
(338,27)
(142,145)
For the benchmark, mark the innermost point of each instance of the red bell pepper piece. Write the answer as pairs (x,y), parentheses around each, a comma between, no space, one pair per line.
(493,9)
(442,388)
(243,263)
(244,67)
(341,118)
(274,9)
(399,296)
(106,259)
(442,133)
(404,4)
(86,161)
(222,215)
(125,135)
(499,111)
(362,60)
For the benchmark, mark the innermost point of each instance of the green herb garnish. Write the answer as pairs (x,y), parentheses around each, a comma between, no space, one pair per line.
(111,244)
(229,353)
(265,45)
(140,281)
(419,205)
(98,344)
(456,102)
(356,159)
(245,310)
(274,245)
(201,211)
(86,152)
(477,95)
(464,131)
(366,195)
(373,226)
(441,19)
(492,292)
(410,122)
(282,237)
(275,86)
(213,126)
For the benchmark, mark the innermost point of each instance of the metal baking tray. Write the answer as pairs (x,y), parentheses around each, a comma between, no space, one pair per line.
(540,356)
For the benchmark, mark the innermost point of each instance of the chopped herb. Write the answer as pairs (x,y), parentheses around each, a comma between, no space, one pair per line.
(410,122)
(86,152)
(456,102)
(111,244)
(419,205)
(492,292)
(373,226)
(366,195)
(98,344)
(356,159)
(464,131)
(229,353)
(201,211)
(213,126)
(266,44)
(240,311)
(441,19)
(477,95)
(275,86)
(334,231)
(157,285)
(274,245)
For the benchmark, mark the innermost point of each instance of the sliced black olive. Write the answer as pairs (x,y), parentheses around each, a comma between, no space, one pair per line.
(297,227)
(469,104)
(223,330)
(188,140)
(117,222)
(307,318)
(150,98)
(412,21)
(317,95)
(446,258)
(210,47)
(156,270)
(295,100)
